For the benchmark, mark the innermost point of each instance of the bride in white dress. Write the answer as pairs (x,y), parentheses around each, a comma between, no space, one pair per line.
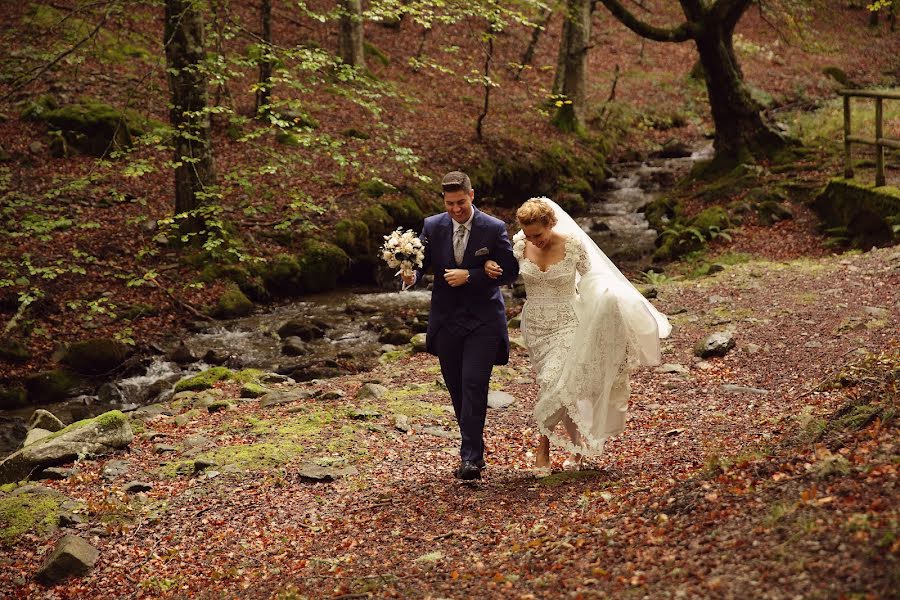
(586,327)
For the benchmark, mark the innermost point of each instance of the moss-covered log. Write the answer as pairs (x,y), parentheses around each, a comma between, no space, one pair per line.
(863,215)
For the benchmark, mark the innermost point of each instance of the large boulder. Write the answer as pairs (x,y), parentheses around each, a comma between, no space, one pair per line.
(95,356)
(101,435)
(73,556)
(91,126)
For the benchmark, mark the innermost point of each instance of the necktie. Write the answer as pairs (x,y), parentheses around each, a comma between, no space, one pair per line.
(459,244)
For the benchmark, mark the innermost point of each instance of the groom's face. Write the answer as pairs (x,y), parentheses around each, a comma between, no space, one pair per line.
(459,204)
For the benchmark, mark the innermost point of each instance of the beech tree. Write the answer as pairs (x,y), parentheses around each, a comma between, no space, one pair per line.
(742,134)
(194,168)
(351,37)
(569,84)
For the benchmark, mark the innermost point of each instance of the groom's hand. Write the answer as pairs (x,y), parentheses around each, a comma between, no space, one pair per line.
(456,277)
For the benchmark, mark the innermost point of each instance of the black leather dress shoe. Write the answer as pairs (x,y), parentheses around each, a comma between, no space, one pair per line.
(481,464)
(468,471)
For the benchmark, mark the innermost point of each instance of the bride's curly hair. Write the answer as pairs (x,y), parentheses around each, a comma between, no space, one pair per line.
(534,211)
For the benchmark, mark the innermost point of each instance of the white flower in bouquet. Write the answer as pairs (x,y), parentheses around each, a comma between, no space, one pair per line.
(403,250)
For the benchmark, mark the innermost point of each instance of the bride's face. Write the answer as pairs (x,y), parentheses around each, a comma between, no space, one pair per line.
(538,234)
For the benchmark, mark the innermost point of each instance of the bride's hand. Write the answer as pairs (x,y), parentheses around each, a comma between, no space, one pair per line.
(492,269)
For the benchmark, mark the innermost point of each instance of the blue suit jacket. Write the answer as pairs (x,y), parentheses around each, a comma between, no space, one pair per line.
(478,301)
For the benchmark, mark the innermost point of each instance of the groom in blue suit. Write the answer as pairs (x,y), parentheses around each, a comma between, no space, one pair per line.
(467,321)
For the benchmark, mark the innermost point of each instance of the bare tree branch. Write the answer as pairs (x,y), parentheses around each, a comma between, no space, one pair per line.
(682,33)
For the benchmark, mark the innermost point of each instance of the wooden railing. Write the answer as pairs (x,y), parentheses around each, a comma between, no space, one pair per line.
(880,142)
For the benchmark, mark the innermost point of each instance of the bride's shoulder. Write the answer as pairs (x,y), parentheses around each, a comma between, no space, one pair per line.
(519,244)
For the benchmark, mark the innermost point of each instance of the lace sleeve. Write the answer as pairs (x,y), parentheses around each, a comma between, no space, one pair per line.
(582,261)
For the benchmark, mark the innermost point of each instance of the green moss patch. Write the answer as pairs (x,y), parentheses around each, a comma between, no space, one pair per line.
(28,513)
(203,380)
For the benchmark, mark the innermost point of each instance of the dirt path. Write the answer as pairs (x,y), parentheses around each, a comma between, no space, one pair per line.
(709,493)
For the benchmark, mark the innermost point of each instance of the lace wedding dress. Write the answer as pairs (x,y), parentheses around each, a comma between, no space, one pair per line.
(586,328)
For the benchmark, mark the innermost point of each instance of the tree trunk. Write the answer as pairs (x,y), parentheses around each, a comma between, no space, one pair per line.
(264,92)
(195,173)
(573,51)
(559,79)
(741,133)
(351,35)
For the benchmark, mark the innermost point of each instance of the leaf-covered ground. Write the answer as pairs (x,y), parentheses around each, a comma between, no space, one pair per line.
(711,492)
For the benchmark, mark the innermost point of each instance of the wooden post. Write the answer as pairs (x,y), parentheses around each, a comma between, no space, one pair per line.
(848,164)
(879,138)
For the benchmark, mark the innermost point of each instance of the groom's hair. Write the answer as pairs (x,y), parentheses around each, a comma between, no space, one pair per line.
(455,181)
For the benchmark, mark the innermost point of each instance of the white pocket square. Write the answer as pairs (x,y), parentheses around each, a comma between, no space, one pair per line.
(481,252)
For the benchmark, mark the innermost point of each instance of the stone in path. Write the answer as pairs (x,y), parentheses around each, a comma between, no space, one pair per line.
(715,344)
(72,557)
(280,397)
(499,400)
(371,390)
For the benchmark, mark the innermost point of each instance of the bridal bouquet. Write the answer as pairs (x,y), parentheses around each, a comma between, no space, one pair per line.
(403,249)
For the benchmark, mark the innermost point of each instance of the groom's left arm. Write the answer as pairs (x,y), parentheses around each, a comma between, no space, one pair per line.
(501,253)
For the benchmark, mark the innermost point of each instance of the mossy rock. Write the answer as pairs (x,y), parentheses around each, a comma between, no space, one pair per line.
(371,51)
(661,212)
(720,185)
(282,275)
(12,350)
(94,127)
(34,110)
(711,219)
(376,188)
(772,211)
(95,356)
(404,212)
(869,215)
(572,203)
(232,304)
(321,265)
(248,279)
(50,386)
(203,380)
(508,181)
(379,223)
(352,236)
(253,390)
(13,397)
(683,237)
(32,509)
